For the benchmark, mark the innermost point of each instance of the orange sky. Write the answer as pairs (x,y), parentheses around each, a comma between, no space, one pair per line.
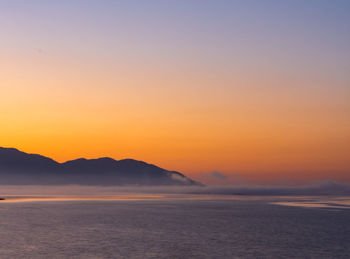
(267,116)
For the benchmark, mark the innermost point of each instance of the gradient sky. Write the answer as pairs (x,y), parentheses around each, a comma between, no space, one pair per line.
(257,90)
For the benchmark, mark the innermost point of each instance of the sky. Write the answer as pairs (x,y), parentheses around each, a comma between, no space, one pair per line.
(222,91)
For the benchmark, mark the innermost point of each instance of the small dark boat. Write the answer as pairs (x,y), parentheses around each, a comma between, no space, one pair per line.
(1,199)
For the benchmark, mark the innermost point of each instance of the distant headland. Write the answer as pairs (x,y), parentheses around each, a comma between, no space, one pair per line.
(20,168)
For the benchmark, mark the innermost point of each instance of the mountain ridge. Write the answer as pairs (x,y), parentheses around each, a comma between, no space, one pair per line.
(17,167)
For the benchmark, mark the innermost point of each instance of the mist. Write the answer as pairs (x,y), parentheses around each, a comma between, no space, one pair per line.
(324,188)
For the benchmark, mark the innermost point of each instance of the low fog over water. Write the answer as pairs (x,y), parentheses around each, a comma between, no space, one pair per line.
(325,188)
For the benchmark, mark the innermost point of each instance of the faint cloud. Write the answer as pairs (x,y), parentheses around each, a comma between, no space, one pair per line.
(218,175)
(219,178)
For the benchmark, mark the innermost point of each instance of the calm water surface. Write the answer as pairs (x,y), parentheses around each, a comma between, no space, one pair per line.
(244,228)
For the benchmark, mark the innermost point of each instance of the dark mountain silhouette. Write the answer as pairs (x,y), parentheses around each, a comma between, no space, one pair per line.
(17,167)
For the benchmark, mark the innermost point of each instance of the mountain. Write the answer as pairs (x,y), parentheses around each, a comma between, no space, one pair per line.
(21,168)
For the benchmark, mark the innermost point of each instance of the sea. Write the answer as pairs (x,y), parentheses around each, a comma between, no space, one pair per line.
(190,226)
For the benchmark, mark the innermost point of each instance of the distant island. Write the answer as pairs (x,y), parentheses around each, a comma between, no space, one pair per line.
(20,168)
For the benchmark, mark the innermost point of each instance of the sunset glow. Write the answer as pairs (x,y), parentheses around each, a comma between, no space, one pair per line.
(258,93)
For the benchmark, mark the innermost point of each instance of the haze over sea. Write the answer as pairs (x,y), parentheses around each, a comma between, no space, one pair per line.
(172,224)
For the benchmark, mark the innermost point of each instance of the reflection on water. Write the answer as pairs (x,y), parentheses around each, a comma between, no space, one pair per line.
(295,201)
(121,197)
(334,203)
(38,198)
